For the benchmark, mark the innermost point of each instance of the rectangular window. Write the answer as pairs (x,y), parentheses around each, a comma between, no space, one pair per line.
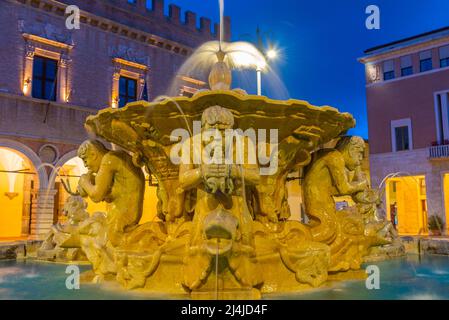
(402,139)
(442,117)
(406,71)
(439,107)
(444,56)
(127,91)
(388,75)
(406,66)
(388,70)
(425,61)
(45,73)
(444,63)
(425,65)
(401,135)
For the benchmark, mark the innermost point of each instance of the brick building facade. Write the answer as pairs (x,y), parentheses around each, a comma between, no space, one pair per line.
(52,78)
(407,87)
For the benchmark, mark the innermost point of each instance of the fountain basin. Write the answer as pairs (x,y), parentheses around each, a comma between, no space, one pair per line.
(401,279)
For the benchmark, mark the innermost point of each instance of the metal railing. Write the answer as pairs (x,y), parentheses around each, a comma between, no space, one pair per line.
(437,152)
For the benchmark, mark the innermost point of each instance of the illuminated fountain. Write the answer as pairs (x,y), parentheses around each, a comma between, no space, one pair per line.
(224,228)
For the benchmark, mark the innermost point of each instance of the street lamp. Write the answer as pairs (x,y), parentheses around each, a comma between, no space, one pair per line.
(270,54)
(260,64)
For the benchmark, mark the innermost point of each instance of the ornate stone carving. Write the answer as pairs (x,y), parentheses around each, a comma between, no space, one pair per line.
(112,177)
(129,54)
(63,241)
(45,30)
(64,61)
(30,51)
(348,233)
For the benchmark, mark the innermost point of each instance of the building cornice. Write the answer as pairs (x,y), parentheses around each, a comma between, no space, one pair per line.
(415,75)
(58,9)
(131,64)
(403,50)
(193,81)
(47,41)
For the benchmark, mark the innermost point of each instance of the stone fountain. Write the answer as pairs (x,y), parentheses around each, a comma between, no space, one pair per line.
(224,229)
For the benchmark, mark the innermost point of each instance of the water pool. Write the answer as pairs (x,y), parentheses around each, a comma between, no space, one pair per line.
(405,278)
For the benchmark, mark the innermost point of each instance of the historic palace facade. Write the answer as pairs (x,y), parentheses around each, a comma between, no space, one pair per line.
(54,77)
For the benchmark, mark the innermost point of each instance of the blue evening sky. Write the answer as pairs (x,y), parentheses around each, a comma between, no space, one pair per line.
(322,39)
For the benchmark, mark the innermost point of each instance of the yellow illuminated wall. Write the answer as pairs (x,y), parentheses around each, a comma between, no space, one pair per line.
(408,195)
(149,205)
(10,209)
(294,199)
(446,198)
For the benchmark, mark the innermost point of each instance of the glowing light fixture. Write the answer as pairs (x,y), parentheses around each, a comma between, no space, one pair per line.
(26,85)
(12,163)
(373,72)
(11,195)
(115,103)
(272,54)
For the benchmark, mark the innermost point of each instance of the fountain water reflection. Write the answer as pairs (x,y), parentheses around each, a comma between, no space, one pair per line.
(398,281)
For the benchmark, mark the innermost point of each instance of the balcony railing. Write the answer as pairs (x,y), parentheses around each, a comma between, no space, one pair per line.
(439,152)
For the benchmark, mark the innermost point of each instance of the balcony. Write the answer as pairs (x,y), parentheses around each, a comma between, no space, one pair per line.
(440,152)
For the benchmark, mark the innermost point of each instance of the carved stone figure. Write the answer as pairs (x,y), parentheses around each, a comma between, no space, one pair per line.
(113,178)
(222,222)
(63,240)
(349,233)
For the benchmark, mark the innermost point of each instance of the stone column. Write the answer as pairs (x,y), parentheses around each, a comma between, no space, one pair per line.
(435,192)
(26,212)
(62,79)
(115,88)
(28,71)
(141,86)
(42,211)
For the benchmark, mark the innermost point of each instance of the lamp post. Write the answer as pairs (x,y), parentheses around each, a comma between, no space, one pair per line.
(259,81)
(270,54)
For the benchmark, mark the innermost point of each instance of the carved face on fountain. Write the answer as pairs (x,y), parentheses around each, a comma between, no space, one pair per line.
(352,149)
(75,209)
(217,117)
(92,152)
(221,119)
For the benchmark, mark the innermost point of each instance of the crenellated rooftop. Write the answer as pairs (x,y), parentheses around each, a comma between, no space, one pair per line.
(189,31)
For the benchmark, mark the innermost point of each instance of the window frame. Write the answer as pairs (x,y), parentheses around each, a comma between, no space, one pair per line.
(421,61)
(43,78)
(441,105)
(403,74)
(389,73)
(399,124)
(133,71)
(127,96)
(444,61)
